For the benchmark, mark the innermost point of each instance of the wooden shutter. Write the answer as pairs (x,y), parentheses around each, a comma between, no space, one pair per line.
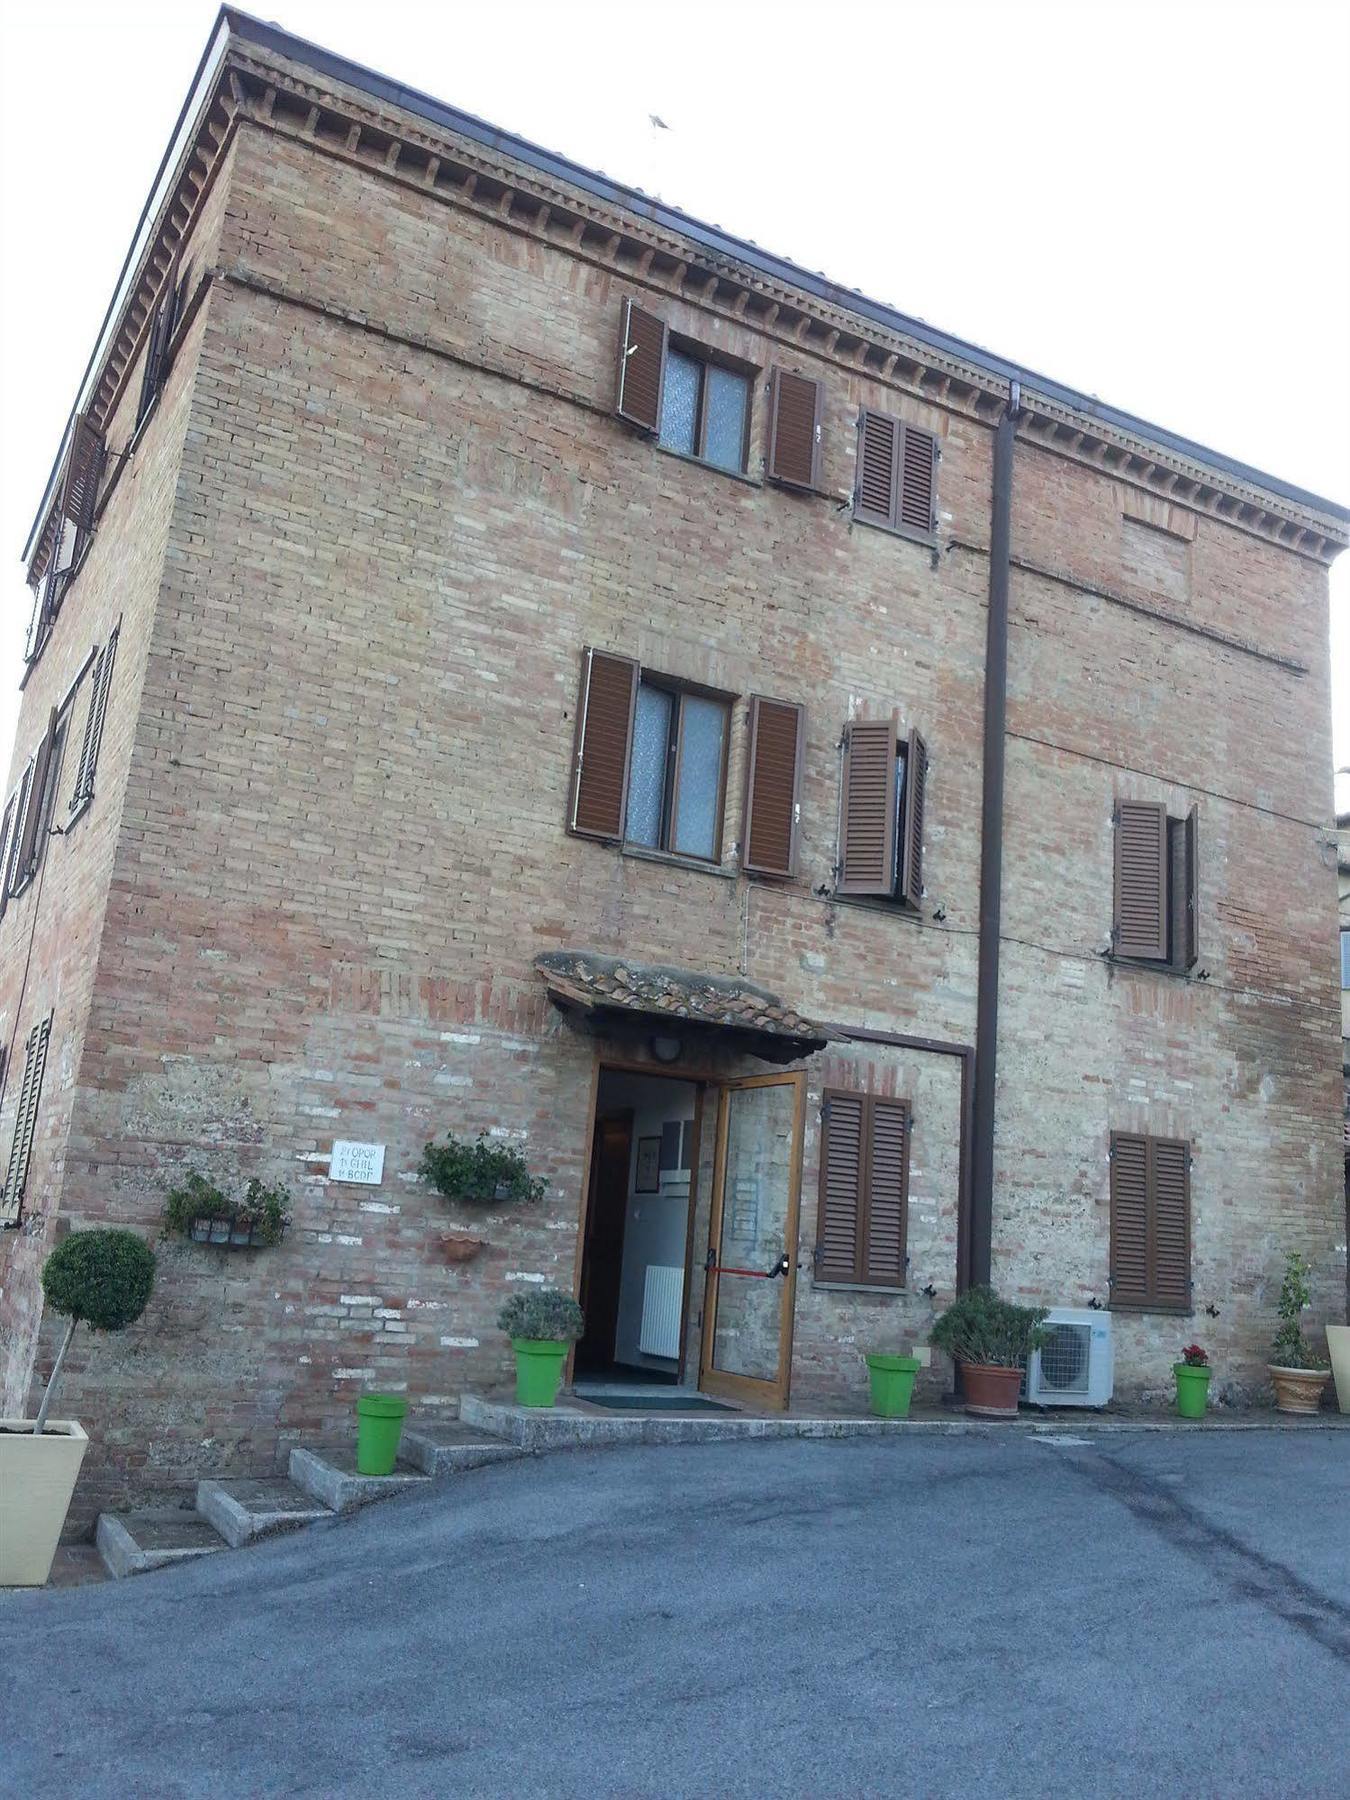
(887,1194)
(29,851)
(911,847)
(1150,1223)
(83,470)
(22,799)
(93,724)
(878,468)
(642,367)
(918,482)
(6,845)
(794,430)
(25,1121)
(773,787)
(1188,940)
(841,1187)
(1141,880)
(604,742)
(867,839)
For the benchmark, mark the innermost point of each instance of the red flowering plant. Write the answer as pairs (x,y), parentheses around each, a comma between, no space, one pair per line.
(1195,1356)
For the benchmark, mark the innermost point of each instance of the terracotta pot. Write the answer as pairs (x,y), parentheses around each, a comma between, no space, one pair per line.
(1298,1390)
(991,1393)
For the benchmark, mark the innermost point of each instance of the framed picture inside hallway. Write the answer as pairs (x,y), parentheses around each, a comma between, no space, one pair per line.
(648,1177)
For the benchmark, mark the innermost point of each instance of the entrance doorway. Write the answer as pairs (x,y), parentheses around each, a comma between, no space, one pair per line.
(635,1250)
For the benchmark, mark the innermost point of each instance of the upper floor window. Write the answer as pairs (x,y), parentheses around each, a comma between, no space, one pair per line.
(1345,958)
(27,817)
(896,482)
(1155,886)
(692,400)
(66,530)
(881,812)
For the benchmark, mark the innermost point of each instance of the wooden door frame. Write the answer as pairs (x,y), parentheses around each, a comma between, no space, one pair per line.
(753,1392)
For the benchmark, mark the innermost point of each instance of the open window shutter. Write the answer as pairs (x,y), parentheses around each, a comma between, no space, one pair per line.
(877,489)
(29,845)
(603,744)
(1188,949)
(1170,1221)
(918,481)
(22,799)
(841,1179)
(773,787)
(794,430)
(867,822)
(911,849)
(887,1193)
(642,365)
(93,724)
(25,1121)
(6,844)
(82,475)
(1129,1220)
(1141,880)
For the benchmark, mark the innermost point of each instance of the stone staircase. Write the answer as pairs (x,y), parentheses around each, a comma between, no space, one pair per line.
(321,1487)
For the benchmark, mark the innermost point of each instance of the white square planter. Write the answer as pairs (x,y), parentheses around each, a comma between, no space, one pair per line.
(37,1479)
(1338,1342)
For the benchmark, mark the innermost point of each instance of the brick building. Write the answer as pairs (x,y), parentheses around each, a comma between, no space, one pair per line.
(510,658)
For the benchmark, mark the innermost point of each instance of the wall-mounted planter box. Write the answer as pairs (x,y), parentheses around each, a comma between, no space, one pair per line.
(228,1234)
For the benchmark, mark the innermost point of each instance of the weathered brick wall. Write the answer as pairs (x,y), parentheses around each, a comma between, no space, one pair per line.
(403,509)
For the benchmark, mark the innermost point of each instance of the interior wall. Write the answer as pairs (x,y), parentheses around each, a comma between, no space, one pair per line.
(656,1224)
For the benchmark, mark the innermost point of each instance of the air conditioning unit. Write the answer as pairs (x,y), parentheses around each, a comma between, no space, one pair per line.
(1076,1366)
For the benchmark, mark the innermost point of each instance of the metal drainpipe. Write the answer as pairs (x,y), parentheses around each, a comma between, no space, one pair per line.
(991,848)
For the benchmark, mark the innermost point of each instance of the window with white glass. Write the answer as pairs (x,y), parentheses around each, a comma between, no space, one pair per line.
(677,772)
(705,409)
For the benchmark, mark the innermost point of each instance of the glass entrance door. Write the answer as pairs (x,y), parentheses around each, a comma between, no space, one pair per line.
(751,1264)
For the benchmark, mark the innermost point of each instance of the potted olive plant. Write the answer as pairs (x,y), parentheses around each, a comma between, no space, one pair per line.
(541,1325)
(102,1279)
(1192,1373)
(1297,1370)
(989,1340)
(479,1173)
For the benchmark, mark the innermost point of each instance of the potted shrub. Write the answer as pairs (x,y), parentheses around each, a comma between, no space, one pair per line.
(1192,1373)
(1299,1372)
(102,1279)
(481,1173)
(989,1340)
(891,1379)
(541,1325)
(201,1211)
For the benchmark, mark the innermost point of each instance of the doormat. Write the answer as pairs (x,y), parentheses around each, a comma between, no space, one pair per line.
(655,1403)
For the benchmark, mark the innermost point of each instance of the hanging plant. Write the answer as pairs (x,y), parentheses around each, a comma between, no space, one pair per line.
(479,1173)
(203,1213)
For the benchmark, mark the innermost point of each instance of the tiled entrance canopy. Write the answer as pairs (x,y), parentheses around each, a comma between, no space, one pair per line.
(602,992)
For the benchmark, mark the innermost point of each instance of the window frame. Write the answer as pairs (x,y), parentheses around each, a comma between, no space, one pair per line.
(1345,959)
(707,357)
(1180,892)
(868,1100)
(679,690)
(1148,1302)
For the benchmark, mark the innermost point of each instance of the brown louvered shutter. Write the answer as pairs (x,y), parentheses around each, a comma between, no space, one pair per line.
(82,475)
(1188,943)
(93,724)
(867,844)
(918,482)
(841,1184)
(882,1263)
(877,488)
(911,848)
(29,844)
(794,430)
(25,1121)
(642,367)
(6,844)
(1129,1220)
(604,740)
(22,799)
(1141,880)
(773,787)
(1170,1210)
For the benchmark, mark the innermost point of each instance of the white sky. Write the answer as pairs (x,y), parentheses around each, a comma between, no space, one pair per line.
(1148,201)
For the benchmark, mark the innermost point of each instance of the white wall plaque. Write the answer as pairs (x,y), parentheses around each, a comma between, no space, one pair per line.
(356,1162)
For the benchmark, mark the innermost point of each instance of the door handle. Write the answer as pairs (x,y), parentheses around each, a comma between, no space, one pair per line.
(782,1267)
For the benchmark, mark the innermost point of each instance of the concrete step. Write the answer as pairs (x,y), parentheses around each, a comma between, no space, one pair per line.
(449,1448)
(330,1477)
(244,1510)
(130,1543)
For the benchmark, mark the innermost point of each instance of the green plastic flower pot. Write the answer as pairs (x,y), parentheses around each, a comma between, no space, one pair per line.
(539,1367)
(379,1425)
(1192,1390)
(892,1380)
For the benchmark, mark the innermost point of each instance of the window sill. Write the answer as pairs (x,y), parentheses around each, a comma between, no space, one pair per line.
(855,1287)
(1162,1312)
(896,909)
(700,462)
(927,538)
(640,853)
(1147,966)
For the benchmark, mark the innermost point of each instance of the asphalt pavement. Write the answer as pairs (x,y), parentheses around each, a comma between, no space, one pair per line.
(992,1614)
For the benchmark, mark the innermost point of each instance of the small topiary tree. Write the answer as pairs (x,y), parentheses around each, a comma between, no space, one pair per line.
(1290,1349)
(101,1278)
(544,1315)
